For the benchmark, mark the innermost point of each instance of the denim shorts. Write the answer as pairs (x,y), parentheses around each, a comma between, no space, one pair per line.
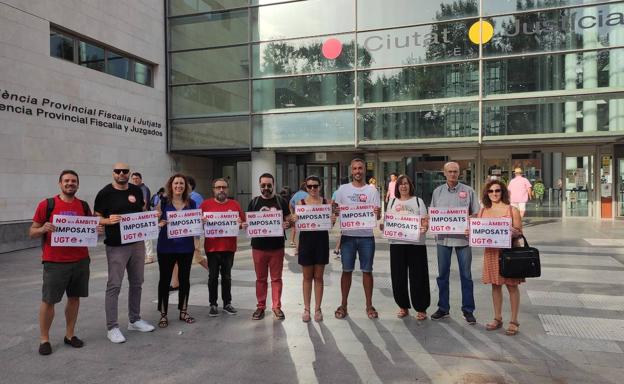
(362,246)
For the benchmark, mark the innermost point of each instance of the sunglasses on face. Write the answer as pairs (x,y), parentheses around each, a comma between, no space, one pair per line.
(119,171)
(266,185)
(312,186)
(494,191)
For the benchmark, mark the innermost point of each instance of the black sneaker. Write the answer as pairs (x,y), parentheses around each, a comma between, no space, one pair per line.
(258,314)
(229,309)
(213,311)
(279,314)
(470,319)
(74,342)
(439,315)
(45,348)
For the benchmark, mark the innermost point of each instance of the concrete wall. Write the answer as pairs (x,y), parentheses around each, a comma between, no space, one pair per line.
(35,148)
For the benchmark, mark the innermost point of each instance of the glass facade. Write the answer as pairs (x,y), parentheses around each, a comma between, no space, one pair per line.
(376,74)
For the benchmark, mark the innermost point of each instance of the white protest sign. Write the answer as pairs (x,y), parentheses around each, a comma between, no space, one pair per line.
(139,226)
(313,217)
(490,232)
(74,231)
(401,227)
(448,220)
(357,216)
(264,224)
(221,224)
(185,223)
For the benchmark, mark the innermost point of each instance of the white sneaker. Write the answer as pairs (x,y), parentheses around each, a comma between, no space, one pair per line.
(115,336)
(141,326)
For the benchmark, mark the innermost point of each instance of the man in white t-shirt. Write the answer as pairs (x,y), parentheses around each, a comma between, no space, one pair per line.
(357,241)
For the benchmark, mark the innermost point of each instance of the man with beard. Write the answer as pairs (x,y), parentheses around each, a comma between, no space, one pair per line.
(360,242)
(220,250)
(65,269)
(111,202)
(268,252)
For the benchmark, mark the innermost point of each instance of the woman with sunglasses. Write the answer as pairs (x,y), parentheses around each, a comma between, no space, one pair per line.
(408,260)
(313,253)
(172,251)
(495,199)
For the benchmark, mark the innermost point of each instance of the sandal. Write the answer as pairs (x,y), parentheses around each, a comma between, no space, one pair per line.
(306,315)
(188,319)
(494,324)
(402,313)
(420,316)
(371,312)
(513,328)
(163,323)
(318,315)
(341,312)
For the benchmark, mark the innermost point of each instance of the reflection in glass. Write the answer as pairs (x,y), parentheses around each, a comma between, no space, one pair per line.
(183,7)
(209,30)
(91,56)
(142,73)
(566,29)
(224,132)
(374,14)
(61,46)
(303,56)
(537,116)
(302,18)
(118,65)
(419,122)
(210,65)
(210,99)
(303,129)
(417,45)
(550,72)
(492,7)
(417,83)
(303,91)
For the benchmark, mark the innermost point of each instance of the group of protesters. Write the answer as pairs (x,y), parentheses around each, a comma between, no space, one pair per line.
(66,269)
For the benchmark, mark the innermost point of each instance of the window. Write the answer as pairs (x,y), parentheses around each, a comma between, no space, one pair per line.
(91,54)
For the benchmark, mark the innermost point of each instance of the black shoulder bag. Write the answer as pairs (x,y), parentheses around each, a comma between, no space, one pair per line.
(519,262)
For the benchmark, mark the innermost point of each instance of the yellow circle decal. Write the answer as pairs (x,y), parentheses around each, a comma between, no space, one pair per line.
(481,29)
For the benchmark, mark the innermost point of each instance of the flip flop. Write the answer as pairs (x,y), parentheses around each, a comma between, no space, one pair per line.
(341,312)
(371,312)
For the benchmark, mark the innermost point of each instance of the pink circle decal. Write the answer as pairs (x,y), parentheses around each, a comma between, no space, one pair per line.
(332,48)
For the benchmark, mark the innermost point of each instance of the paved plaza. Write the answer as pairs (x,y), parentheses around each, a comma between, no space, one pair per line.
(572,325)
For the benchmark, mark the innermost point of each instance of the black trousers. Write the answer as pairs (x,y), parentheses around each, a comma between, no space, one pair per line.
(166,262)
(408,264)
(220,262)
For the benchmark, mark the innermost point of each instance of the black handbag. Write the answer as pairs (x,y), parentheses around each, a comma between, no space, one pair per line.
(519,262)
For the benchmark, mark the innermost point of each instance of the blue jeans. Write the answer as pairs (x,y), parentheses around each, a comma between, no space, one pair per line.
(365,249)
(464,258)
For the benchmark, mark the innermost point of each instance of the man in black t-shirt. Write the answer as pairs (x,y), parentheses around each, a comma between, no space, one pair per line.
(268,252)
(114,200)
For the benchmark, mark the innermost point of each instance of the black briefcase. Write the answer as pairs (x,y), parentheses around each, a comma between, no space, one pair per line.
(519,262)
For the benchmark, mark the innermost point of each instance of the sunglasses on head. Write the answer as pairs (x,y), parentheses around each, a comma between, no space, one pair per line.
(266,185)
(494,190)
(312,186)
(124,171)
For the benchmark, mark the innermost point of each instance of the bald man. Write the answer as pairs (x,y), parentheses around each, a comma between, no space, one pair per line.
(114,200)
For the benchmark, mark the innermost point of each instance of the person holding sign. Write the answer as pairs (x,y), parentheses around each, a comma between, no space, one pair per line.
(496,203)
(268,252)
(65,269)
(408,259)
(357,241)
(454,194)
(174,250)
(313,245)
(220,250)
(113,201)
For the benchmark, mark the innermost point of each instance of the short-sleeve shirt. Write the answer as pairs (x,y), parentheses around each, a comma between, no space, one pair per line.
(413,206)
(111,201)
(391,189)
(275,203)
(197,198)
(519,189)
(348,194)
(461,196)
(297,197)
(177,245)
(221,244)
(60,254)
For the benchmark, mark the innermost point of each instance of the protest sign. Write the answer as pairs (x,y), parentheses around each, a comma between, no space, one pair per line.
(444,221)
(185,223)
(139,226)
(221,224)
(264,224)
(490,232)
(313,217)
(74,231)
(401,227)
(357,216)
